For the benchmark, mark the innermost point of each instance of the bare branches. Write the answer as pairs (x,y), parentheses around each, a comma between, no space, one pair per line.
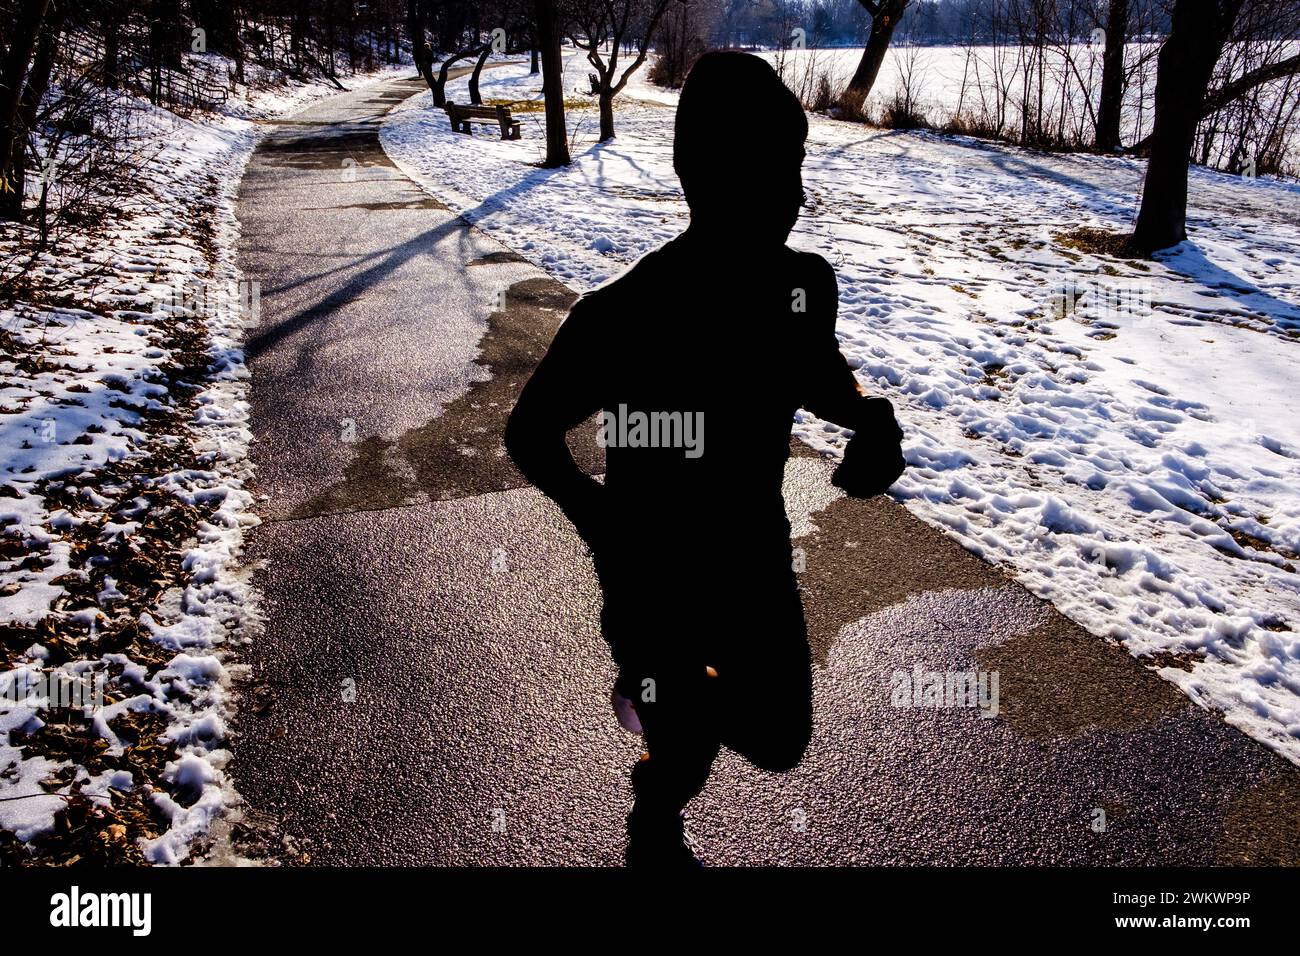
(1239,87)
(612,25)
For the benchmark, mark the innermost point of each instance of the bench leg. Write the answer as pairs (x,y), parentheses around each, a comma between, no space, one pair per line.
(514,130)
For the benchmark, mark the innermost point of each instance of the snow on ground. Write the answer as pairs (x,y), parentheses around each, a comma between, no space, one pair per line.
(123,425)
(1123,436)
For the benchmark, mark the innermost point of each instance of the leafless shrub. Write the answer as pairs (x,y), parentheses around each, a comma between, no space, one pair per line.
(969,124)
(900,113)
(824,94)
(87,150)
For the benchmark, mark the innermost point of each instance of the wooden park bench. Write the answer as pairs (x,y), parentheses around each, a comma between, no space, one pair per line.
(462,116)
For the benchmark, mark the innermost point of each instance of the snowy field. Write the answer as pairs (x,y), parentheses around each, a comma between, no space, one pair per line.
(123,423)
(946,81)
(1122,436)
(986,85)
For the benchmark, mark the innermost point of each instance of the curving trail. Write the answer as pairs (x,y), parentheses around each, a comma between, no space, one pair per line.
(431,687)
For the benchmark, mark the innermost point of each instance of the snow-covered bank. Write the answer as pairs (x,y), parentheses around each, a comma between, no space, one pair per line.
(1124,436)
(123,500)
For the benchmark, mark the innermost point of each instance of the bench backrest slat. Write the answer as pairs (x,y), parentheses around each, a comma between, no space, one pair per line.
(483,112)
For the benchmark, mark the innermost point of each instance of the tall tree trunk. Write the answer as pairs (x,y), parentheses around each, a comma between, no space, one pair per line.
(1198,32)
(474,96)
(548,38)
(17,60)
(38,82)
(33,94)
(174,38)
(1111,103)
(535,67)
(299,27)
(331,39)
(421,52)
(230,41)
(885,15)
(112,34)
(158,37)
(350,14)
(606,99)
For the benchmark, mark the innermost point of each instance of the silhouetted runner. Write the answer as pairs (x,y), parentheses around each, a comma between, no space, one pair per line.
(698,358)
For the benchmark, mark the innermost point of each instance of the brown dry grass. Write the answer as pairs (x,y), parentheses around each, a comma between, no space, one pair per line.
(1100,242)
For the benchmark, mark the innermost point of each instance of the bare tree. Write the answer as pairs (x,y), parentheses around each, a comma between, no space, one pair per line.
(34,89)
(548,40)
(13,74)
(683,34)
(417,23)
(444,69)
(458,37)
(509,19)
(885,15)
(1110,103)
(611,24)
(1198,32)
(474,96)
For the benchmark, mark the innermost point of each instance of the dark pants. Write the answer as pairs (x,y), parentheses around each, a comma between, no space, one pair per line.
(665,629)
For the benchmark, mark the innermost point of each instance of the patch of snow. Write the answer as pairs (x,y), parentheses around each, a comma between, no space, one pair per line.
(83,413)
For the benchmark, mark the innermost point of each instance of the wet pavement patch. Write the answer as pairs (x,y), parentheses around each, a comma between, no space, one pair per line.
(497,258)
(869,554)
(373,479)
(424,202)
(1060,680)
(460,453)
(1262,824)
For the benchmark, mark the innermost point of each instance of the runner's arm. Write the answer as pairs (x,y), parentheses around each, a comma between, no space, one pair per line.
(559,397)
(873,458)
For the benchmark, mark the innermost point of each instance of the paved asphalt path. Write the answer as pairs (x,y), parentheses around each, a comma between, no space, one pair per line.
(431,686)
